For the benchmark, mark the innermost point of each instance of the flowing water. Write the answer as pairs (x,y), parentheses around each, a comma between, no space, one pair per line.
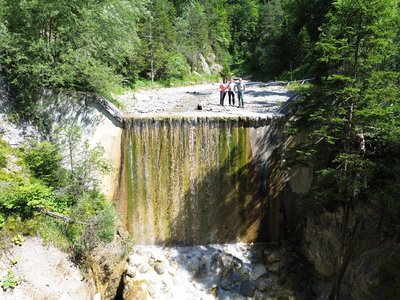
(192,180)
(211,183)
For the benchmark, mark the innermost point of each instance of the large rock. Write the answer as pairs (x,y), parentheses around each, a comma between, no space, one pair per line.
(258,271)
(322,243)
(135,290)
(247,288)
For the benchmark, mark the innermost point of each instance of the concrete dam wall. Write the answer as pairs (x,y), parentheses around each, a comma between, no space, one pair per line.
(201,180)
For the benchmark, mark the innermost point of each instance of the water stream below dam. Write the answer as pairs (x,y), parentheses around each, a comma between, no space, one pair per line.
(202,198)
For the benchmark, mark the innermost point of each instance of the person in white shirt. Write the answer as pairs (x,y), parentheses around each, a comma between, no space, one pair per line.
(231,92)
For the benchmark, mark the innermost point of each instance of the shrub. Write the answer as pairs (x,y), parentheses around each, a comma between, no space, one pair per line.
(45,161)
(177,66)
(10,281)
(26,199)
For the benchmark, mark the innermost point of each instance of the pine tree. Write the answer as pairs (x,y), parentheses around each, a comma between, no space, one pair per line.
(351,114)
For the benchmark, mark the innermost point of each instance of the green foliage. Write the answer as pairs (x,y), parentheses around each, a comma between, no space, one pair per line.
(177,67)
(64,44)
(45,161)
(18,240)
(93,209)
(10,280)
(3,160)
(350,125)
(26,199)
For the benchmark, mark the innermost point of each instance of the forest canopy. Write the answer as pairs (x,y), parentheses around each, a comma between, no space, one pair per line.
(93,46)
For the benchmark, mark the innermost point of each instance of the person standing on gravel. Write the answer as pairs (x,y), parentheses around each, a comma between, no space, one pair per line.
(240,87)
(222,91)
(231,92)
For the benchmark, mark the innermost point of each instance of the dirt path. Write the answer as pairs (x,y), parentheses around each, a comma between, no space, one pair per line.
(260,99)
(45,272)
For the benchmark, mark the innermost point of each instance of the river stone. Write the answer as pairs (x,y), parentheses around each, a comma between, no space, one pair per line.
(224,283)
(247,288)
(144,268)
(237,263)
(151,261)
(233,275)
(223,295)
(160,268)
(273,257)
(135,290)
(131,271)
(151,289)
(274,268)
(141,252)
(158,255)
(135,260)
(215,264)
(226,260)
(171,271)
(264,284)
(258,271)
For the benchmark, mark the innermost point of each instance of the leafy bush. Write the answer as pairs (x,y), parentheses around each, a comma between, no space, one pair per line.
(4,151)
(45,161)
(177,66)
(3,161)
(94,209)
(26,199)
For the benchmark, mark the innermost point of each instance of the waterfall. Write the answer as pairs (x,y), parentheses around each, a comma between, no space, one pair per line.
(197,180)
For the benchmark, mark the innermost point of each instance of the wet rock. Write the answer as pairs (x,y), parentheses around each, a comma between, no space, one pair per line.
(264,284)
(160,268)
(151,261)
(224,284)
(141,252)
(144,268)
(223,295)
(233,275)
(274,268)
(258,295)
(193,265)
(237,263)
(226,260)
(245,270)
(135,259)
(151,289)
(247,288)
(273,257)
(135,290)
(171,271)
(256,256)
(215,264)
(158,255)
(258,271)
(131,271)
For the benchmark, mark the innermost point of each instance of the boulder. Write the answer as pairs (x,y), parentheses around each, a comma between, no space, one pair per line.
(160,268)
(258,271)
(247,288)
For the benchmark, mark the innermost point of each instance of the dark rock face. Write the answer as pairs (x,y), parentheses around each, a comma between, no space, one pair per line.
(247,288)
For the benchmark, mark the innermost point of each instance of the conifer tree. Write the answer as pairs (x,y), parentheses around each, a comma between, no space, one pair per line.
(351,113)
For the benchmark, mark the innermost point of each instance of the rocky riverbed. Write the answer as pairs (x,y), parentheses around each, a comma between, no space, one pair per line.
(225,271)
(259,99)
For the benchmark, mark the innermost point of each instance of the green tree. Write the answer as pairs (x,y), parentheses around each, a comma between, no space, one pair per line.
(352,116)
(193,28)
(243,20)
(158,37)
(80,45)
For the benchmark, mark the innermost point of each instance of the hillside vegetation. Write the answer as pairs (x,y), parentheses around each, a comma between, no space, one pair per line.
(349,116)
